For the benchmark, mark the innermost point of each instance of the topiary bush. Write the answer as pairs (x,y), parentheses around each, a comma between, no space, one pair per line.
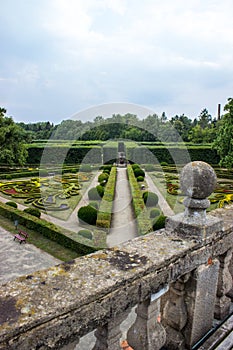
(159,222)
(164,164)
(94,205)
(88,214)
(139,172)
(103,177)
(154,213)
(140,178)
(150,199)
(135,166)
(33,211)
(85,233)
(86,168)
(12,204)
(96,193)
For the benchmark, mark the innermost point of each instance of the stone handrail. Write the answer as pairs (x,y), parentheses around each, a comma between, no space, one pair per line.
(57,306)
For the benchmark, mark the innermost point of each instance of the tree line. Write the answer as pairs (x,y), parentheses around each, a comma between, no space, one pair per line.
(202,129)
(153,128)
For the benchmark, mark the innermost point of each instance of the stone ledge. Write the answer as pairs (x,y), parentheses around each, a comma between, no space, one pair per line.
(71,299)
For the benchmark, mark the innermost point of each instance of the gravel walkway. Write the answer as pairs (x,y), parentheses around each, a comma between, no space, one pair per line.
(20,259)
(123,224)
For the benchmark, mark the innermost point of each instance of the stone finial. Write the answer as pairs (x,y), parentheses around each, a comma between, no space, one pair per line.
(197,182)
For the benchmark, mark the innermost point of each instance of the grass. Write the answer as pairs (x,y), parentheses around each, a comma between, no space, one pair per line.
(45,244)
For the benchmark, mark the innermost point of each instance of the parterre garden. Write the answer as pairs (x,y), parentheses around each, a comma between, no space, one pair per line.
(50,194)
(168,184)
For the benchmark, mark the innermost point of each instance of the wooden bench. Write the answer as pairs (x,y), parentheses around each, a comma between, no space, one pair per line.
(20,238)
(23,233)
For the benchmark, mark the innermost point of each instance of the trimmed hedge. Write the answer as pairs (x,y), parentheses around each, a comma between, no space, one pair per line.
(105,210)
(12,204)
(171,155)
(33,211)
(140,211)
(64,237)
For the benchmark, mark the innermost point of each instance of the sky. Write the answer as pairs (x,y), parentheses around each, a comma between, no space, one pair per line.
(60,57)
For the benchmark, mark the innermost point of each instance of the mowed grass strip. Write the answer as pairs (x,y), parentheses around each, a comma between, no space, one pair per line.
(45,244)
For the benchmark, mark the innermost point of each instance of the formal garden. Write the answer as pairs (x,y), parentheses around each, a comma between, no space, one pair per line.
(56,193)
(167,182)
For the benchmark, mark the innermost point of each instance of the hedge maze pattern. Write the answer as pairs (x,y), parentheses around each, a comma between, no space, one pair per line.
(46,193)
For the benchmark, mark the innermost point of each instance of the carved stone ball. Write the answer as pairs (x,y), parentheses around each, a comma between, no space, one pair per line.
(197,180)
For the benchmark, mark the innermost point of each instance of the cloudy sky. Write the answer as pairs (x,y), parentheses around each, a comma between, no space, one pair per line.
(59,57)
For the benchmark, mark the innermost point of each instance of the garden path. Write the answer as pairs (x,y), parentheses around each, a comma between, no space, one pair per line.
(164,206)
(21,259)
(123,224)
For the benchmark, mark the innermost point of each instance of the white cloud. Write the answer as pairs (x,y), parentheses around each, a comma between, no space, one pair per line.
(96,51)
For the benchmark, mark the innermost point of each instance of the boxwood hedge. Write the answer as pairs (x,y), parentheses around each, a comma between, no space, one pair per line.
(64,237)
(105,210)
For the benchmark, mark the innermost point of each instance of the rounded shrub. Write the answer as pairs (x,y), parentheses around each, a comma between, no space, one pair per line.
(103,178)
(154,213)
(164,164)
(33,211)
(139,172)
(12,204)
(150,199)
(135,166)
(86,168)
(107,167)
(94,205)
(85,233)
(159,222)
(88,214)
(93,193)
(140,178)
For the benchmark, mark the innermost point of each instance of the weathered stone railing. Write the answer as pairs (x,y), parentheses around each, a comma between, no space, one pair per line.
(189,258)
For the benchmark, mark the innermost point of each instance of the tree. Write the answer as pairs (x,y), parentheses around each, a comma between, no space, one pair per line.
(13,148)
(204,119)
(224,141)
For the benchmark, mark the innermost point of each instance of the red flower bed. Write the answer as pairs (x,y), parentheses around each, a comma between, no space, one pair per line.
(10,191)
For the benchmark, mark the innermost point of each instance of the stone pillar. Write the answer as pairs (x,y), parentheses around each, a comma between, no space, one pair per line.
(147,332)
(197,182)
(230,293)
(175,314)
(108,336)
(222,306)
(200,301)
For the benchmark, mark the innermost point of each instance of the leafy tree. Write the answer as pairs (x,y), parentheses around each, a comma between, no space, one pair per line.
(204,119)
(224,141)
(13,149)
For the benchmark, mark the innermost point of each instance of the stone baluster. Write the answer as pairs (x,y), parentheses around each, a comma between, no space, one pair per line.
(147,332)
(197,182)
(175,314)
(230,293)
(222,305)
(108,336)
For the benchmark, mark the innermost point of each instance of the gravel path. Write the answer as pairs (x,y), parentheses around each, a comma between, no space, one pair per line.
(20,259)
(123,224)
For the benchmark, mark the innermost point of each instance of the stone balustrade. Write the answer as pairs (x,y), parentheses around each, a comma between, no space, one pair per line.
(179,278)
